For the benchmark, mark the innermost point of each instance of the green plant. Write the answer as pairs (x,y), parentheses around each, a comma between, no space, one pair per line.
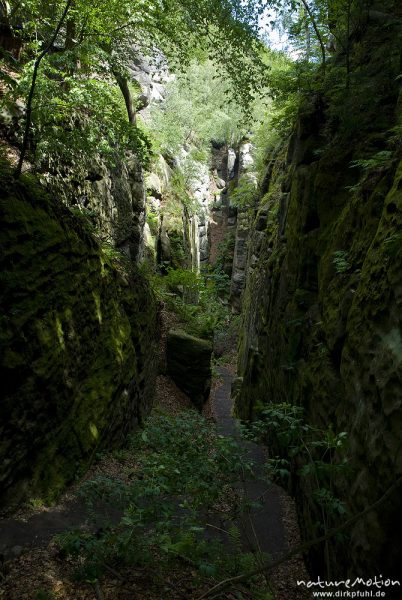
(340,261)
(182,279)
(87,217)
(225,253)
(225,340)
(36,503)
(153,221)
(380,160)
(195,299)
(218,280)
(184,471)
(244,194)
(393,243)
(97,40)
(197,110)
(301,450)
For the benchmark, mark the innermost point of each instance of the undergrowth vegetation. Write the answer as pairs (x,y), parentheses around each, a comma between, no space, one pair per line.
(178,502)
(175,499)
(195,298)
(300,450)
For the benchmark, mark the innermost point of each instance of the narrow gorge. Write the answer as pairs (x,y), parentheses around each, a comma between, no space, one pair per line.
(201,352)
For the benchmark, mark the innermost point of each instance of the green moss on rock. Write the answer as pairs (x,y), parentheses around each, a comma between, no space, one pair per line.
(325,338)
(76,338)
(189,365)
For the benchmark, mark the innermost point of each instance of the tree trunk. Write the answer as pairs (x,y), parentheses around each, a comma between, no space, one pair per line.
(317,31)
(122,82)
(32,89)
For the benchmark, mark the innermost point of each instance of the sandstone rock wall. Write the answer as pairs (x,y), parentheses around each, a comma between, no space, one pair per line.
(321,309)
(245,177)
(77,343)
(113,197)
(189,365)
(192,238)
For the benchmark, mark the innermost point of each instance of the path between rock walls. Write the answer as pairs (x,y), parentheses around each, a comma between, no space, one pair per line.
(272,526)
(266,532)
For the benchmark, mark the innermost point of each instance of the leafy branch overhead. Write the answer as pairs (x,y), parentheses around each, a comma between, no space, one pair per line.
(65,46)
(75,59)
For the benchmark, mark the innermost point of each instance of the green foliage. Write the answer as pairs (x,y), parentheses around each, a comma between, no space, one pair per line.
(276,111)
(290,83)
(184,279)
(314,27)
(225,253)
(380,160)
(219,279)
(225,341)
(195,299)
(36,502)
(115,256)
(184,470)
(393,243)
(245,194)
(83,48)
(77,117)
(327,75)
(196,111)
(317,455)
(180,186)
(153,221)
(340,261)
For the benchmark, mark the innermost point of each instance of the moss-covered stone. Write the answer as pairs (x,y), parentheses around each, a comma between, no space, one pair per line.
(328,337)
(76,337)
(189,365)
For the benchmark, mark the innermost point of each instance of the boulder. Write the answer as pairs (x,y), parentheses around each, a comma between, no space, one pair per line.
(189,365)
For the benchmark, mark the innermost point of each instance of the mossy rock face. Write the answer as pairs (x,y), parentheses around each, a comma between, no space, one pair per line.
(77,338)
(189,365)
(327,335)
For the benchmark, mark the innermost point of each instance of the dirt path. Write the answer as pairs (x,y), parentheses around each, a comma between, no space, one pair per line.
(271,527)
(36,531)
(264,530)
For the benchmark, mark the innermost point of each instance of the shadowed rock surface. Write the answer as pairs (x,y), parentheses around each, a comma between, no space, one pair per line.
(77,338)
(189,365)
(321,309)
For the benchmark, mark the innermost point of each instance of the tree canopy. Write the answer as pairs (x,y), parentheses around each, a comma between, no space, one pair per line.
(74,65)
(75,51)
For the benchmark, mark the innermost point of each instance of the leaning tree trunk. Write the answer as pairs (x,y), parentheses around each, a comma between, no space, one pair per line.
(32,89)
(123,84)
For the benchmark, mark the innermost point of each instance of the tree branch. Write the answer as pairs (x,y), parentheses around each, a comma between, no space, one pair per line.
(123,84)
(303,547)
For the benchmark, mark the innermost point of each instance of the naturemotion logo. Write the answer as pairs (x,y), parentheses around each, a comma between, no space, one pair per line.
(350,588)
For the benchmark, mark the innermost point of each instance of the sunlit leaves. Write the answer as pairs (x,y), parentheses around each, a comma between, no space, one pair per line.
(75,106)
(197,110)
